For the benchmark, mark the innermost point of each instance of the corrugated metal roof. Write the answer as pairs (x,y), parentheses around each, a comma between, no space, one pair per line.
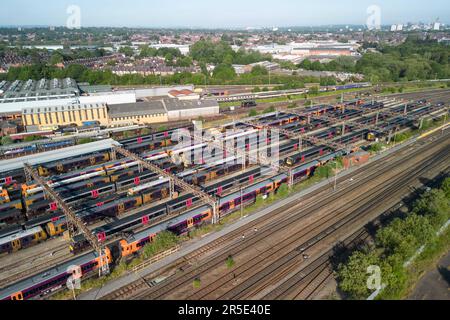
(134,109)
(55,155)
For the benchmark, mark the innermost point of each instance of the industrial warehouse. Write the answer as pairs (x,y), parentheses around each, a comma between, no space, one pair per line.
(46,104)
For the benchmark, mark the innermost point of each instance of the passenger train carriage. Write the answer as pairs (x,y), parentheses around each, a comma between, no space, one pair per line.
(55,278)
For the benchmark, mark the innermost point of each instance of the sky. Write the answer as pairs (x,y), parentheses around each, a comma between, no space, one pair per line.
(220,13)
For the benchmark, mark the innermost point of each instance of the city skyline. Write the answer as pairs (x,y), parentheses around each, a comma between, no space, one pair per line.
(230,15)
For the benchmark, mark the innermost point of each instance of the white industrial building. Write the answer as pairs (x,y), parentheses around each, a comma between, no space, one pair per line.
(189,109)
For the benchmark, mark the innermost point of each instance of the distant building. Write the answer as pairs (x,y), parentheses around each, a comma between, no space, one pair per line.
(182,109)
(184,48)
(157,111)
(48,117)
(239,69)
(184,95)
(138,113)
(270,66)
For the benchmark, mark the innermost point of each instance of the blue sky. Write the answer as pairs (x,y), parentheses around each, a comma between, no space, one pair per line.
(216,13)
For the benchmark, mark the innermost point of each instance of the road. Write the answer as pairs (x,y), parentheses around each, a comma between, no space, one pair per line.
(435,284)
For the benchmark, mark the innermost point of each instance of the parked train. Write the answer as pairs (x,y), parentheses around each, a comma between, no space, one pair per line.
(56,277)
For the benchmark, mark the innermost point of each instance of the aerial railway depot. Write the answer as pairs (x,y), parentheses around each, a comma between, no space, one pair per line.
(124,193)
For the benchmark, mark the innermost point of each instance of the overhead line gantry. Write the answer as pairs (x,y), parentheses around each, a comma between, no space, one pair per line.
(173,180)
(73,221)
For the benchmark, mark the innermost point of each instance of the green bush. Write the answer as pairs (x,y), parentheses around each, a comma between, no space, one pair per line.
(283,190)
(252,113)
(6,140)
(84,140)
(196,283)
(163,241)
(230,262)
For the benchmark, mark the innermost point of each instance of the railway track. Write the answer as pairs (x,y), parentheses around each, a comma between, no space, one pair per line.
(289,289)
(290,258)
(175,284)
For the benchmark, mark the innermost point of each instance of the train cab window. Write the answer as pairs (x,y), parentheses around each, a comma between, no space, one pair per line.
(17,296)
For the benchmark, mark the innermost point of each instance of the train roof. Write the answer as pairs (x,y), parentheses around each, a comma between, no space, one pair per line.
(305,166)
(6,205)
(10,229)
(167,224)
(56,155)
(19,235)
(46,275)
(245,191)
(8,212)
(331,156)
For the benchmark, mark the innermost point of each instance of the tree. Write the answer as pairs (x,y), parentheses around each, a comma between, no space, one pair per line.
(283,190)
(446,188)
(31,138)
(305,64)
(353,275)
(56,58)
(434,204)
(184,62)
(128,51)
(6,140)
(259,71)
(146,52)
(314,90)
(403,237)
(163,241)
(224,72)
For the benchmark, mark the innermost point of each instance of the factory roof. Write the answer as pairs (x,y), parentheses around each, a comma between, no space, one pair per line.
(18,90)
(158,107)
(56,155)
(64,107)
(136,109)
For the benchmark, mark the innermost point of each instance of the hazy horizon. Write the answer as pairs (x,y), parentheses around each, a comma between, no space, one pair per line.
(232,14)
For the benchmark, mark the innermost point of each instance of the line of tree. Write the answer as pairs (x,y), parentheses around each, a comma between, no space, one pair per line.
(222,75)
(395,244)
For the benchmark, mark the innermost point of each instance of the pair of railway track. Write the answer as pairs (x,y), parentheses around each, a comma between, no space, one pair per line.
(291,257)
(291,285)
(203,251)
